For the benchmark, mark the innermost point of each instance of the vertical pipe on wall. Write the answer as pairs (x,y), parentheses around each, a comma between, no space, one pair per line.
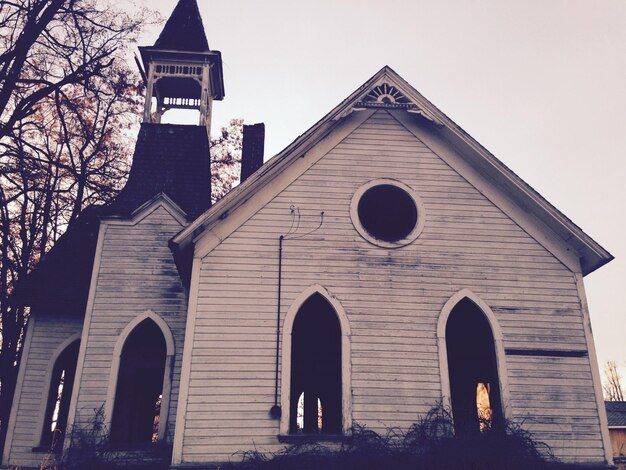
(275,411)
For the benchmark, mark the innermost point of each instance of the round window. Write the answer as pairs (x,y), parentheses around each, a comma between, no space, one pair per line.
(387,213)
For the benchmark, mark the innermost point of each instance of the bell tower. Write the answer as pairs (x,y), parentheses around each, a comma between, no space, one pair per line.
(181,72)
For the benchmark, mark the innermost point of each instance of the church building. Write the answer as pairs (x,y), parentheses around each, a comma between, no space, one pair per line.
(382,264)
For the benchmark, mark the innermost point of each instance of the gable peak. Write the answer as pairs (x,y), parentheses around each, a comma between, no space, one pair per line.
(387,90)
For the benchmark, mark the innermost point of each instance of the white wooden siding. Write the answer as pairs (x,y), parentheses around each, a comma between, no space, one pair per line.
(392,299)
(48,334)
(137,273)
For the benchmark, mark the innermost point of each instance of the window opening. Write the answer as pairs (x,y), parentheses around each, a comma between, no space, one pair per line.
(473,370)
(136,413)
(483,406)
(57,403)
(59,395)
(157,419)
(300,416)
(315,369)
(319,414)
(387,212)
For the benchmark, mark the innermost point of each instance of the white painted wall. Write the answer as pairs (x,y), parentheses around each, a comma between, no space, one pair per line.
(46,335)
(136,273)
(392,299)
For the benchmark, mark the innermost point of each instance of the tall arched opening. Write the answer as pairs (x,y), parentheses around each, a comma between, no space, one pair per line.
(473,371)
(139,392)
(59,396)
(315,398)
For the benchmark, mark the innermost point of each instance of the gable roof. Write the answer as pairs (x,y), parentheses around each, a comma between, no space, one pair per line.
(387,90)
(59,283)
(616,413)
(184,30)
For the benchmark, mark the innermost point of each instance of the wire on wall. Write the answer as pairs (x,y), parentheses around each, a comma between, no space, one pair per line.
(292,234)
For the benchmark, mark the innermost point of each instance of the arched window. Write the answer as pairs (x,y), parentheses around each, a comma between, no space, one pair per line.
(315,396)
(473,370)
(59,395)
(136,411)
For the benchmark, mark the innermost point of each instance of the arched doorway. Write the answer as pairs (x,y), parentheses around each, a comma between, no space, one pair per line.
(473,371)
(138,396)
(315,404)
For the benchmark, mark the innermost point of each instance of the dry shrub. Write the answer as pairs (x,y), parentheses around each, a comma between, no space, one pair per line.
(428,444)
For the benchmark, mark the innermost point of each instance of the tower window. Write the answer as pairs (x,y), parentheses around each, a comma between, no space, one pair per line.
(137,409)
(315,398)
(59,395)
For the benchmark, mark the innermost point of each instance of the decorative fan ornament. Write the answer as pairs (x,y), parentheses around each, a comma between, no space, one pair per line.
(387,94)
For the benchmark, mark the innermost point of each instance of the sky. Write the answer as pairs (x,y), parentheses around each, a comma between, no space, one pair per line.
(539,83)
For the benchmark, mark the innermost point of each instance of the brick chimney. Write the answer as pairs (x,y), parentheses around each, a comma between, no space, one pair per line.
(253,148)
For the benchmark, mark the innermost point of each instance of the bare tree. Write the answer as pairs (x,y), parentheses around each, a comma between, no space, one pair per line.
(68,103)
(50,44)
(69,109)
(226,159)
(613,390)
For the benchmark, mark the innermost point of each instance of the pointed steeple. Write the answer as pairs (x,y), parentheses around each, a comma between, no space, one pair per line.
(184,30)
(181,71)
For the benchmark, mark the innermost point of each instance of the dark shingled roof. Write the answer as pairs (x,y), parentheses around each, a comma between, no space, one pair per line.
(169,158)
(172,159)
(616,413)
(59,284)
(184,30)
